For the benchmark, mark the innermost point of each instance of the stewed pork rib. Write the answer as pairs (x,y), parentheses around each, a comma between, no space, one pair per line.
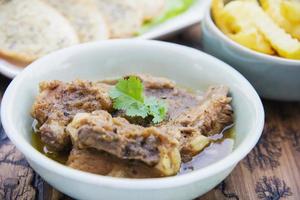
(209,117)
(57,104)
(100,162)
(115,135)
(150,82)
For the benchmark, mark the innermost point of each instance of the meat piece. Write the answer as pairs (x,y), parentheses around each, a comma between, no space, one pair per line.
(195,117)
(178,100)
(210,117)
(57,104)
(154,82)
(150,82)
(123,17)
(212,114)
(153,146)
(91,161)
(94,161)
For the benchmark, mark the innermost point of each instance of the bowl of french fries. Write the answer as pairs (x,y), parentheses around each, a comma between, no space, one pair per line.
(261,39)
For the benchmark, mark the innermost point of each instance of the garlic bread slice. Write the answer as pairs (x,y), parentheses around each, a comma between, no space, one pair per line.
(30,29)
(84,17)
(122,16)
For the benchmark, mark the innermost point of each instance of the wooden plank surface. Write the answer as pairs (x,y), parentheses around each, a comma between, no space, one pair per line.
(270,172)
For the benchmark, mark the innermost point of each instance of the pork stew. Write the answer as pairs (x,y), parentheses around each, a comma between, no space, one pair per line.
(139,126)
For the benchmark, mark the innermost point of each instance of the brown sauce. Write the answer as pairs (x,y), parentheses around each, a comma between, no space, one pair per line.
(217,150)
(37,143)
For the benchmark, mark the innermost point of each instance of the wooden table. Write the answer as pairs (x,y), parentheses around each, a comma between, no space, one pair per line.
(270,172)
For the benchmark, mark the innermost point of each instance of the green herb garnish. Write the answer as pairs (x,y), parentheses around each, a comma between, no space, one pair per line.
(173,9)
(128,95)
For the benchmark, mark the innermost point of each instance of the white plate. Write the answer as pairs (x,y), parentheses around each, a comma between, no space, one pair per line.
(188,18)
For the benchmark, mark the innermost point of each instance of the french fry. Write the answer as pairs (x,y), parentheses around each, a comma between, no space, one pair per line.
(271,28)
(253,39)
(240,27)
(282,42)
(216,11)
(281,11)
(291,10)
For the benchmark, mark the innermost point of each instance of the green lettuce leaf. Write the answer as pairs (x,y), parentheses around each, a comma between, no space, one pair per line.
(173,9)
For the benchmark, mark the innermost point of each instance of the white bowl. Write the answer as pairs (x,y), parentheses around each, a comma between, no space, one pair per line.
(192,16)
(96,61)
(273,77)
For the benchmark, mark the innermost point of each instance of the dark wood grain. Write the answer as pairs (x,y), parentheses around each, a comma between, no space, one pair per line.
(270,172)
(17,179)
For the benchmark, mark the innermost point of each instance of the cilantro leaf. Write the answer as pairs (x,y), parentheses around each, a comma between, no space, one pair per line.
(128,95)
(156,108)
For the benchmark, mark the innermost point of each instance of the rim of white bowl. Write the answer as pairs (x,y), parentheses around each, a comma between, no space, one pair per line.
(231,160)
(277,59)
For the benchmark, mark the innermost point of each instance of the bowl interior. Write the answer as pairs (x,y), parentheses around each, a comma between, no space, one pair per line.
(98,61)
